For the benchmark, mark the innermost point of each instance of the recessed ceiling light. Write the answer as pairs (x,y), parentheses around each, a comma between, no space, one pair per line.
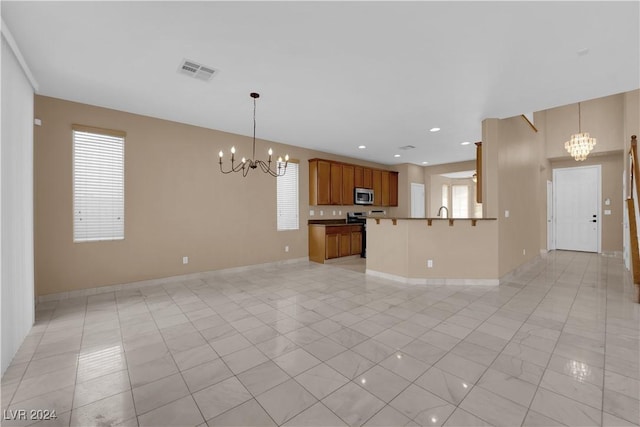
(396,155)
(362,147)
(465,143)
(425,163)
(434,129)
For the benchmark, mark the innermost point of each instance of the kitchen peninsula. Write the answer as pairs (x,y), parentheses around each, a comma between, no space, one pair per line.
(435,251)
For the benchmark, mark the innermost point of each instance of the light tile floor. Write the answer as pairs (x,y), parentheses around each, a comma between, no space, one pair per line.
(311,344)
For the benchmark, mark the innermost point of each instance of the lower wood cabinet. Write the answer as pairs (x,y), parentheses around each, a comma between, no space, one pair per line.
(329,242)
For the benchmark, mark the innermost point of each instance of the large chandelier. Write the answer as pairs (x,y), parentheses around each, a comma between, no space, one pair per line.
(580,144)
(245,165)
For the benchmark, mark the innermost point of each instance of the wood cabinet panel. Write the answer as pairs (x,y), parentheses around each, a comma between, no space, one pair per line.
(345,244)
(358,178)
(332,245)
(348,184)
(384,188)
(367,178)
(356,242)
(319,182)
(393,189)
(336,184)
(377,187)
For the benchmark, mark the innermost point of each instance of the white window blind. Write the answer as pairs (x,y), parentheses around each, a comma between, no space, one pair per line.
(98,185)
(460,201)
(287,193)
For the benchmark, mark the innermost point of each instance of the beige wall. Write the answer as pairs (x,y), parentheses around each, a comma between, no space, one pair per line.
(177,203)
(514,178)
(460,251)
(601,117)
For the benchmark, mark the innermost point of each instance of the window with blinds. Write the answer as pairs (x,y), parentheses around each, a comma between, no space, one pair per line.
(287,194)
(98,184)
(460,201)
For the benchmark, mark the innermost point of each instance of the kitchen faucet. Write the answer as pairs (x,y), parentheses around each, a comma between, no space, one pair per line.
(440,211)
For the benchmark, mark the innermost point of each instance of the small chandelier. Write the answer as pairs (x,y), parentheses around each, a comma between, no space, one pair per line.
(246,165)
(580,144)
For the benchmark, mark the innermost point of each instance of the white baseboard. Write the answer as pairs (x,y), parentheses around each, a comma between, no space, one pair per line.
(163,281)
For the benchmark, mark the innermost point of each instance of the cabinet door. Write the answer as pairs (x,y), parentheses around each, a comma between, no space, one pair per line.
(323,190)
(367,178)
(358,179)
(345,244)
(393,189)
(332,245)
(336,184)
(356,242)
(377,187)
(347,184)
(384,199)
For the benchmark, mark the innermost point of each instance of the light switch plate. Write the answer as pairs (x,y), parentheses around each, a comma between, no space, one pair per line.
(506,214)
(607,211)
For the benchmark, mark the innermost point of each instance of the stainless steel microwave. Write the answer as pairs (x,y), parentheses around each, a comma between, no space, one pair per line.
(363,196)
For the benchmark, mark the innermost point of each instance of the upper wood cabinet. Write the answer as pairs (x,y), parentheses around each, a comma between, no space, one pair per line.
(336,184)
(332,183)
(348,184)
(367,180)
(393,189)
(358,177)
(319,182)
(377,187)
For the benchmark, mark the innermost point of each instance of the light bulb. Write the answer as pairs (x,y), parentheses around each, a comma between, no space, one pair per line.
(270,151)
(244,160)
(220,154)
(280,159)
(233,150)
(286,158)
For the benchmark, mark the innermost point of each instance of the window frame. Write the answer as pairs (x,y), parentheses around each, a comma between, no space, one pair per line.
(295,199)
(117,230)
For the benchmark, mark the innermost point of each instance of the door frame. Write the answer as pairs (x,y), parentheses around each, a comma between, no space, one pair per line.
(551,237)
(598,169)
(424,198)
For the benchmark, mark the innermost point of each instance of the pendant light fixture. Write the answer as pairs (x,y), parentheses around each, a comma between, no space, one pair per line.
(580,144)
(245,165)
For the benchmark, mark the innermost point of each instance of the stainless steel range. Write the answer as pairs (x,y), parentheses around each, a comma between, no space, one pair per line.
(360,218)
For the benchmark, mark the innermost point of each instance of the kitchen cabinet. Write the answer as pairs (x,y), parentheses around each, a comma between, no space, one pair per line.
(334,241)
(348,184)
(336,184)
(377,187)
(367,178)
(384,187)
(358,177)
(332,183)
(393,189)
(356,241)
(319,182)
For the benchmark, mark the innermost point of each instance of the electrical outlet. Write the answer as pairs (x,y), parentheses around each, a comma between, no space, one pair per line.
(185,260)
(340,213)
(286,248)
(506,214)
(334,213)
(524,252)
(607,211)
(321,213)
(429,263)
(312,212)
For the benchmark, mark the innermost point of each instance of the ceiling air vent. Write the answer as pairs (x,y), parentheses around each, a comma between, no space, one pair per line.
(197,71)
(407,147)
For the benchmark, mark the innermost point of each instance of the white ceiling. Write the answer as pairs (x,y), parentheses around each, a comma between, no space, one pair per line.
(334,75)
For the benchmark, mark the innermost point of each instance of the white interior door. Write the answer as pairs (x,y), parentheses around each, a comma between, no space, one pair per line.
(550,240)
(417,200)
(577,208)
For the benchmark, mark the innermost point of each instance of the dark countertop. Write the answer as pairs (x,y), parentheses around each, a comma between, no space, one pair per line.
(327,222)
(433,218)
